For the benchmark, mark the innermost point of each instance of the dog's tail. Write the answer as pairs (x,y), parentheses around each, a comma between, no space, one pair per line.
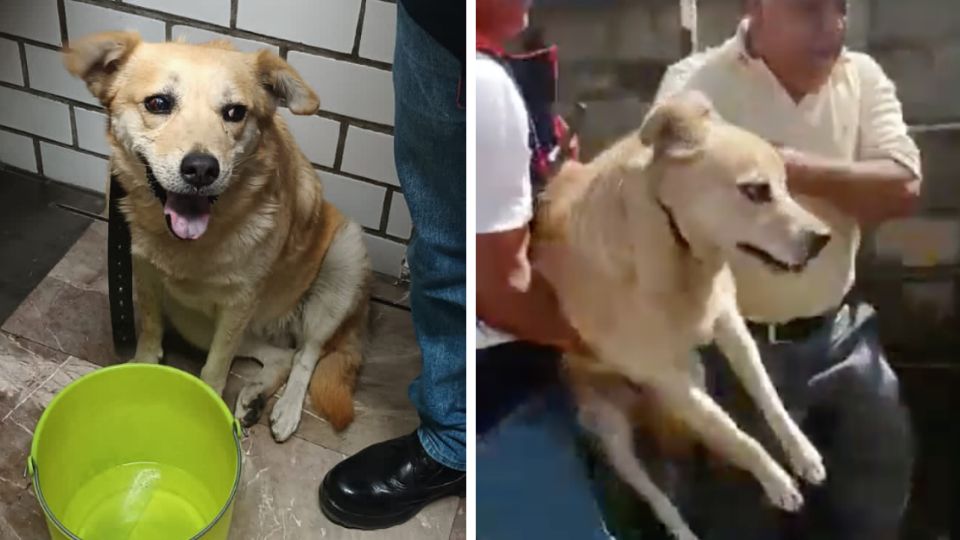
(333,381)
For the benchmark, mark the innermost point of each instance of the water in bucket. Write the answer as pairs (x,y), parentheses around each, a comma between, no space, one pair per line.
(140,501)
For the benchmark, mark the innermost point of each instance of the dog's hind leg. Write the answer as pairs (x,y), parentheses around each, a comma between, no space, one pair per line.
(734,340)
(337,291)
(681,397)
(612,427)
(276,362)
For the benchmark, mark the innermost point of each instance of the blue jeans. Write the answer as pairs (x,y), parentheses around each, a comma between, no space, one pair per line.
(430,149)
(531,480)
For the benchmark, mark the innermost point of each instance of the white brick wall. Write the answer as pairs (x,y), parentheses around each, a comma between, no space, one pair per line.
(33,19)
(212,11)
(10,68)
(199,35)
(17,150)
(328,24)
(346,88)
(369,153)
(399,224)
(74,167)
(379,31)
(91,126)
(33,114)
(83,19)
(359,199)
(345,59)
(318,137)
(45,67)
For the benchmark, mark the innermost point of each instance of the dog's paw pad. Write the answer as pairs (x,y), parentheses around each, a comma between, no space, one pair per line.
(783,493)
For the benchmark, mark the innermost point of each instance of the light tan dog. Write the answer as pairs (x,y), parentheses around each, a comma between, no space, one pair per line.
(233,242)
(639,240)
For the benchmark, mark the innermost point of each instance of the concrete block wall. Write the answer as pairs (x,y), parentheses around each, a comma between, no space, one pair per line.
(612,55)
(50,125)
(910,268)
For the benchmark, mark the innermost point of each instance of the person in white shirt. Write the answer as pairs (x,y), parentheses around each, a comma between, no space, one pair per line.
(530,479)
(835,115)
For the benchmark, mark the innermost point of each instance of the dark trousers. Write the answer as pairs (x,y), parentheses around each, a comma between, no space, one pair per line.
(838,386)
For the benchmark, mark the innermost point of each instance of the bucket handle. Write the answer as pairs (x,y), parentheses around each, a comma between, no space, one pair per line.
(239,429)
(34,474)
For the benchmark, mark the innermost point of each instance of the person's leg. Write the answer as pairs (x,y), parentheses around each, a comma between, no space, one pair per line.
(388,483)
(845,397)
(864,433)
(430,147)
(532,481)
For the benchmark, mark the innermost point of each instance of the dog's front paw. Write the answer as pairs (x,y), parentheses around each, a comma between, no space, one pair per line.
(250,404)
(806,461)
(285,417)
(782,491)
(214,378)
(683,534)
(147,357)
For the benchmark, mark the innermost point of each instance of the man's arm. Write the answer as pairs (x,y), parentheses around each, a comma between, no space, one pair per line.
(514,298)
(884,181)
(871,191)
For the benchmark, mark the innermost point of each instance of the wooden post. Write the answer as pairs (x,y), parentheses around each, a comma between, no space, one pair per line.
(688,26)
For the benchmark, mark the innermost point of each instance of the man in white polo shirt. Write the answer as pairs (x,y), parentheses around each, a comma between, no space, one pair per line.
(786,76)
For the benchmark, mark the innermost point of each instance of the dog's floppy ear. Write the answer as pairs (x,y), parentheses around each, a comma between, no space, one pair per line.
(678,127)
(284,83)
(96,58)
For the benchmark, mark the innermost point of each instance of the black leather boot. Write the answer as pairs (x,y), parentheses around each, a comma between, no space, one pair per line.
(386,484)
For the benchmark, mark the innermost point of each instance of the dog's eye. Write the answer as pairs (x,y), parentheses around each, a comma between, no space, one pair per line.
(234,113)
(757,192)
(159,104)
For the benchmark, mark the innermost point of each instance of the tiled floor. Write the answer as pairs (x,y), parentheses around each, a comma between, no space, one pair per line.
(61,331)
(35,232)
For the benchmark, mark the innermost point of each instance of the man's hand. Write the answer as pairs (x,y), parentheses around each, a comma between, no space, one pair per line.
(870,191)
(530,313)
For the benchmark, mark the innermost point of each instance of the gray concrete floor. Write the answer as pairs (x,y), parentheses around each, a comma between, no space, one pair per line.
(61,330)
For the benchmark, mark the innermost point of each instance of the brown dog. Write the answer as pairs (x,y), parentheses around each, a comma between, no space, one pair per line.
(639,241)
(233,242)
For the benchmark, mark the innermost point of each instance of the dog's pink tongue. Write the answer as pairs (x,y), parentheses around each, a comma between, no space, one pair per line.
(187,215)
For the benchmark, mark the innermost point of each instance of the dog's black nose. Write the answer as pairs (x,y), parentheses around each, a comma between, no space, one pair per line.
(199,169)
(815,244)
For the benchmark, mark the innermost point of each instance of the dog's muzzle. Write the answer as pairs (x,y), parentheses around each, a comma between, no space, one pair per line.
(187,214)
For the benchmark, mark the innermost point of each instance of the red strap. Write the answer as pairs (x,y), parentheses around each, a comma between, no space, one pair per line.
(490,46)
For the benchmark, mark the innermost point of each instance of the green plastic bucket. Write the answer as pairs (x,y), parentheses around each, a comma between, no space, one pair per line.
(136,452)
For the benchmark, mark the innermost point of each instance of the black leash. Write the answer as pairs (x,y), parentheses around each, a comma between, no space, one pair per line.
(120,275)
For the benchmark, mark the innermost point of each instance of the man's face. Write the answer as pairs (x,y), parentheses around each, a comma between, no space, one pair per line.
(800,39)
